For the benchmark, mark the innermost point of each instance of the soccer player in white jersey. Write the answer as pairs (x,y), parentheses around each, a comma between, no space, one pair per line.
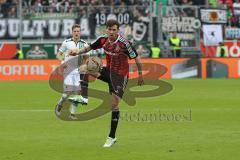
(75,83)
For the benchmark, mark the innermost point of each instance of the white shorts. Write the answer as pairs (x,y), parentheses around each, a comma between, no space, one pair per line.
(72,82)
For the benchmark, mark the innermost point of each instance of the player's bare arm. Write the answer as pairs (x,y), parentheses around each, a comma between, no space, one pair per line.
(60,57)
(139,66)
(77,51)
(59,54)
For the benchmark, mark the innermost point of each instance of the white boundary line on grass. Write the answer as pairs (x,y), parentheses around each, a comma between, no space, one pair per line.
(26,110)
(139,110)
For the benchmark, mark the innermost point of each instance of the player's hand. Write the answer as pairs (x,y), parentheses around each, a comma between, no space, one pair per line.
(73,51)
(140,80)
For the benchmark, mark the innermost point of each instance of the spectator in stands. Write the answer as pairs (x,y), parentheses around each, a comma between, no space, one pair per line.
(94,2)
(84,2)
(236,7)
(45,2)
(186,2)
(52,5)
(136,2)
(177,2)
(12,13)
(126,2)
(71,8)
(50,9)
(107,2)
(230,15)
(83,13)
(37,7)
(198,2)
(117,2)
(26,3)
(222,2)
(57,5)
(78,3)
(66,6)
(15,2)
(142,51)
(5,7)
(187,11)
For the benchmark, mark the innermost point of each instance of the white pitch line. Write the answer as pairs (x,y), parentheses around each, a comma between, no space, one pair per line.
(26,110)
(137,110)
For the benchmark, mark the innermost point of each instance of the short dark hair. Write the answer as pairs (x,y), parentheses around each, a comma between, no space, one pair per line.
(75,26)
(112,22)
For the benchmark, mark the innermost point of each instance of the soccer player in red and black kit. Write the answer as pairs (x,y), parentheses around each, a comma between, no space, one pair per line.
(118,50)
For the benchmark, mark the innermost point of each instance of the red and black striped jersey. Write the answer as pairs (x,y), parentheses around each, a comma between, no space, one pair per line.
(117,53)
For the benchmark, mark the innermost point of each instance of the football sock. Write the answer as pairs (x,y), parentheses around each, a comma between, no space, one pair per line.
(73,107)
(84,85)
(62,99)
(114,123)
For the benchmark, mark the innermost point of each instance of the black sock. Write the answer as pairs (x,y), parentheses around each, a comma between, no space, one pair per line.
(84,85)
(114,123)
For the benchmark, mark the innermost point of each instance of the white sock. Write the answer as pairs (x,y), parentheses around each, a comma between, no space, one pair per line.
(85,99)
(62,99)
(73,108)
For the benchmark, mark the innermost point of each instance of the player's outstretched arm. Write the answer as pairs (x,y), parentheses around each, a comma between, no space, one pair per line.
(139,66)
(77,51)
(60,56)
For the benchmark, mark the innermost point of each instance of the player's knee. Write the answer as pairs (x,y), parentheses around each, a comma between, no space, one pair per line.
(115,102)
(115,108)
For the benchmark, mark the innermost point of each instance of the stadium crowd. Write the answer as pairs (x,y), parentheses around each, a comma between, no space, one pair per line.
(8,8)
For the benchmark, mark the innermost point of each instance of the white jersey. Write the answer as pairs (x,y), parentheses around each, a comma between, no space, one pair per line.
(70,44)
(74,61)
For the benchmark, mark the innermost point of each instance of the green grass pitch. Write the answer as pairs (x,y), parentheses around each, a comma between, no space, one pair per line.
(209,128)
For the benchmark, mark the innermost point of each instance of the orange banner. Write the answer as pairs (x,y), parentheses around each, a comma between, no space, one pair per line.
(27,69)
(164,68)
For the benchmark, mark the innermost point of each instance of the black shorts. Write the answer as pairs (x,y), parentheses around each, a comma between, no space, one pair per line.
(116,83)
